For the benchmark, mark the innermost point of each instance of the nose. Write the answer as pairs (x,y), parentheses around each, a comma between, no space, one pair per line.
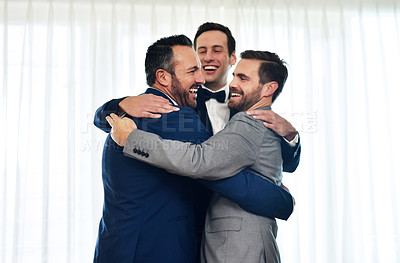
(208,57)
(233,83)
(199,78)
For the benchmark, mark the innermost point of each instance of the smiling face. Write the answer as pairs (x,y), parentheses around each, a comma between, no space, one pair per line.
(246,89)
(212,49)
(187,76)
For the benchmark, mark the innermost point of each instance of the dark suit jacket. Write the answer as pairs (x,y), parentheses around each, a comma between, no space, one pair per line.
(150,215)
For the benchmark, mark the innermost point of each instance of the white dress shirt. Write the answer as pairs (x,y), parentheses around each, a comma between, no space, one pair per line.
(218,113)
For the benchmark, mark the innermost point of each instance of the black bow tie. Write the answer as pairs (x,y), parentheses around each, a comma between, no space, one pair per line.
(205,95)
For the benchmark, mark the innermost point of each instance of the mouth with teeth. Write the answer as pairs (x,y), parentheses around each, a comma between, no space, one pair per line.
(235,94)
(193,90)
(209,69)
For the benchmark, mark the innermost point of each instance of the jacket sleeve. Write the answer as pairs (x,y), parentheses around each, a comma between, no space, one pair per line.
(223,155)
(254,194)
(290,155)
(103,111)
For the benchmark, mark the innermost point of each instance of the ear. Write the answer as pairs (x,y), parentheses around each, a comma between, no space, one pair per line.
(232,59)
(269,88)
(163,77)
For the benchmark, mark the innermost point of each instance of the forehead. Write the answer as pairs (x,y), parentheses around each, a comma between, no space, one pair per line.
(248,67)
(185,57)
(212,38)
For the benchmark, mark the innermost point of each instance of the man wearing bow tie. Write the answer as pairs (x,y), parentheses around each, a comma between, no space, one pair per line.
(216,47)
(212,108)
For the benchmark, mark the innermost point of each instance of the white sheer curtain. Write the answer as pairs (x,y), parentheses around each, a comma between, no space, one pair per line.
(63,59)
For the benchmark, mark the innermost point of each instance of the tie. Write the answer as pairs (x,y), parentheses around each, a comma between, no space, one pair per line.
(204,95)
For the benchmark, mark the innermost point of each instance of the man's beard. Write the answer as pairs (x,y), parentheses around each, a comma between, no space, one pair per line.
(247,101)
(180,94)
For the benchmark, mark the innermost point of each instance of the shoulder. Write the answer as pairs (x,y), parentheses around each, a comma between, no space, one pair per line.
(244,123)
(242,118)
(186,111)
(183,125)
(186,117)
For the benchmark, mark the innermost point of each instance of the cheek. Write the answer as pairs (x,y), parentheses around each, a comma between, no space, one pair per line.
(201,57)
(224,60)
(246,89)
(188,82)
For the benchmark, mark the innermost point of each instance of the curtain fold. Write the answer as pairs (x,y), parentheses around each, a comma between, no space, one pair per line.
(63,59)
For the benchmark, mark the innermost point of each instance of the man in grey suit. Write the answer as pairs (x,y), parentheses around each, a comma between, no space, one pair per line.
(231,234)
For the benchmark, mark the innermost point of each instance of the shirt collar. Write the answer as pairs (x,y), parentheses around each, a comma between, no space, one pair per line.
(173,102)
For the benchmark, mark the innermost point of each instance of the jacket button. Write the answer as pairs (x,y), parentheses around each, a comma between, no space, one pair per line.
(135,150)
(146,155)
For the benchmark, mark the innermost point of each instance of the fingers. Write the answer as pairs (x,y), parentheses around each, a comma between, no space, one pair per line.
(168,108)
(151,115)
(112,119)
(160,102)
(147,106)
(160,105)
(157,99)
(114,116)
(155,110)
(161,108)
(252,112)
(275,122)
(265,115)
(261,112)
(268,125)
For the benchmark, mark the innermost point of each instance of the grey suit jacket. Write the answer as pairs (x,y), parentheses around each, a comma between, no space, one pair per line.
(231,233)
(244,142)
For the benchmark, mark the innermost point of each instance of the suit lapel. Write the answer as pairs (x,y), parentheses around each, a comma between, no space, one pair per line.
(201,110)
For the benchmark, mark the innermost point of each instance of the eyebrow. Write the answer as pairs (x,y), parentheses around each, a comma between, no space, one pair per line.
(215,46)
(240,75)
(193,68)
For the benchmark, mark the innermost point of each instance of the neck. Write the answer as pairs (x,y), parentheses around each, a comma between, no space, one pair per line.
(165,90)
(264,102)
(215,86)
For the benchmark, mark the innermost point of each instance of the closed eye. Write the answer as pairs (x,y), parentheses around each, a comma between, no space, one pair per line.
(242,77)
(193,70)
(202,51)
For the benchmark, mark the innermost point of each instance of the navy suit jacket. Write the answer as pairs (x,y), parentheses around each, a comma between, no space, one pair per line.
(150,215)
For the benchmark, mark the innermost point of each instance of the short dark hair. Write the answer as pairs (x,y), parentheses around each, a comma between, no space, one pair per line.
(272,68)
(210,26)
(160,56)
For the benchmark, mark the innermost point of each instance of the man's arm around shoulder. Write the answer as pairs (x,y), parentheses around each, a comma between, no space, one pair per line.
(105,110)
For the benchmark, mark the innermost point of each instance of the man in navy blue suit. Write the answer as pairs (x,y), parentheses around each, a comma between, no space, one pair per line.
(149,216)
